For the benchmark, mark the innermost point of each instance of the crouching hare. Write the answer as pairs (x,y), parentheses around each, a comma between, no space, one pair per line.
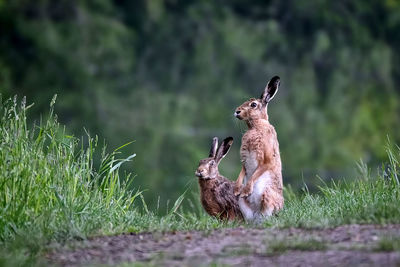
(261,163)
(216,191)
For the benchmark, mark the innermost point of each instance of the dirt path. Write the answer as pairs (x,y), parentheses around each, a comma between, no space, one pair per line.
(350,245)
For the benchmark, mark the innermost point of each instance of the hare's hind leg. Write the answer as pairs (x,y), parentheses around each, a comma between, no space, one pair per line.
(271,202)
(247,212)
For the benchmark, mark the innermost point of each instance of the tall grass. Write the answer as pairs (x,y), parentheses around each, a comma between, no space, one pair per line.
(50,191)
(48,184)
(367,199)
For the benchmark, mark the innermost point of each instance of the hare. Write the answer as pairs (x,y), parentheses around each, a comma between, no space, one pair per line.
(261,163)
(216,191)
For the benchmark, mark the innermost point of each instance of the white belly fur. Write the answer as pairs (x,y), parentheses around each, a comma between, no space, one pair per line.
(252,209)
(259,188)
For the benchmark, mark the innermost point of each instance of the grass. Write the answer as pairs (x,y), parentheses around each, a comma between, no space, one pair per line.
(388,244)
(49,185)
(366,200)
(51,192)
(49,188)
(281,246)
(237,250)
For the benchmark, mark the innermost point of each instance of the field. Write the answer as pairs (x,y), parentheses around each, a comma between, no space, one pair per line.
(347,245)
(58,206)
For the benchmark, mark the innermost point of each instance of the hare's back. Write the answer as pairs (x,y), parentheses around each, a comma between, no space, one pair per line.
(225,194)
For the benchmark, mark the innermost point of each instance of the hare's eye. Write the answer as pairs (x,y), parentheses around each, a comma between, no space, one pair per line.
(253,105)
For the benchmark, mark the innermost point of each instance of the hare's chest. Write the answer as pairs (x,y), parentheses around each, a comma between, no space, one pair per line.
(250,163)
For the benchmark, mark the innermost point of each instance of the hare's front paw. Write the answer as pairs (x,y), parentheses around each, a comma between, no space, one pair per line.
(247,190)
(237,189)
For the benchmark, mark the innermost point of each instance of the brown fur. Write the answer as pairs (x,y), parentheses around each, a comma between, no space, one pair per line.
(218,199)
(216,191)
(261,140)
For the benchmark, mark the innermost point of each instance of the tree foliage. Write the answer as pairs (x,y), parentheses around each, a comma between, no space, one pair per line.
(169,74)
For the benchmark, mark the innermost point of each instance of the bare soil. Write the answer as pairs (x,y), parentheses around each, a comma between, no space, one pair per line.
(349,245)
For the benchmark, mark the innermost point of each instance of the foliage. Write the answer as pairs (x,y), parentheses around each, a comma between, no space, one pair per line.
(51,192)
(49,186)
(367,200)
(170,73)
(281,246)
(388,243)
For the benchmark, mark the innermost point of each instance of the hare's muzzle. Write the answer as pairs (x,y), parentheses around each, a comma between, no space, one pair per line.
(197,173)
(236,114)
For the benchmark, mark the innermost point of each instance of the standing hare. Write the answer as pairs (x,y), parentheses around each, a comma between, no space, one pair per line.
(261,163)
(216,191)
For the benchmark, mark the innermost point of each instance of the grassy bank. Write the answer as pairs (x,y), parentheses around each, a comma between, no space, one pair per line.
(364,200)
(51,191)
(49,188)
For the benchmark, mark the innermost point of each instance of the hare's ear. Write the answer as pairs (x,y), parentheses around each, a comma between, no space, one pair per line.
(213,150)
(224,148)
(270,90)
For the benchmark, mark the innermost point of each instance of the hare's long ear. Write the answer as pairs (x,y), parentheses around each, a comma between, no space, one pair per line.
(223,149)
(270,90)
(213,150)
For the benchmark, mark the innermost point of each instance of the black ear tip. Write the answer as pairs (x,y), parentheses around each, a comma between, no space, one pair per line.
(275,79)
(229,140)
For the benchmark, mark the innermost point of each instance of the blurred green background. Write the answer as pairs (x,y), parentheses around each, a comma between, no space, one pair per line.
(170,73)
